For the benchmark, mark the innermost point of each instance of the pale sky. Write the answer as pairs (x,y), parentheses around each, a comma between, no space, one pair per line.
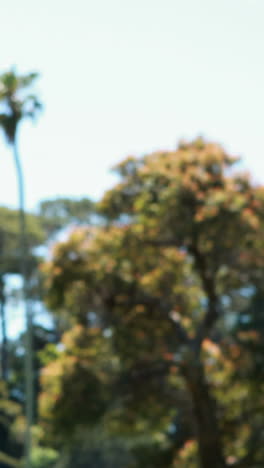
(122,77)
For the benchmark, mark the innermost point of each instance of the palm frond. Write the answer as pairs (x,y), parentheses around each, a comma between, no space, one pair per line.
(15,103)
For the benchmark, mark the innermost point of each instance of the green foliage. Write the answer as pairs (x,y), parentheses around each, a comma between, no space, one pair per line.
(15,103)
(58,213)
(42,457)
(85,361)
(11,428)
(97,449)
(10,239)
(181,254)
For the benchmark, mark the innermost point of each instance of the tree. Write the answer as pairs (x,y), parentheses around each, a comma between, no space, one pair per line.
(181,256)
(10,421)
(59,213)
(18,104)
(10,262)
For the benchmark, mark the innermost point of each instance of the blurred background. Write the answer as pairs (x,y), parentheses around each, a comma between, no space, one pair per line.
(110,280)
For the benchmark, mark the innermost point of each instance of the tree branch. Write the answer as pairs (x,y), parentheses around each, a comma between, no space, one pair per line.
(213,307)
(166,308)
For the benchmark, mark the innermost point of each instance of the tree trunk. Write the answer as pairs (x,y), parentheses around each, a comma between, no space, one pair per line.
(4,354)
(206,424)
(29,374)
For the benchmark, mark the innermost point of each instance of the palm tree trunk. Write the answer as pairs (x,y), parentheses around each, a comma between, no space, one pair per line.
(29,384)
(4,353)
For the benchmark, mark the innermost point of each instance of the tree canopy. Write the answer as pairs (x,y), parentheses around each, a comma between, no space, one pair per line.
(166,281)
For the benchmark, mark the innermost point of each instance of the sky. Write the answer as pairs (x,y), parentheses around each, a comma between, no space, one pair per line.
(126,77)
(122,77)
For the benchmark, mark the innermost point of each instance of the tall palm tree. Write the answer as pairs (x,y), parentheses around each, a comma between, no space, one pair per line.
(16,104)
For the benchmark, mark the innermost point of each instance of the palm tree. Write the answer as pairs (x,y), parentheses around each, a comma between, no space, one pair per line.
(17,104)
